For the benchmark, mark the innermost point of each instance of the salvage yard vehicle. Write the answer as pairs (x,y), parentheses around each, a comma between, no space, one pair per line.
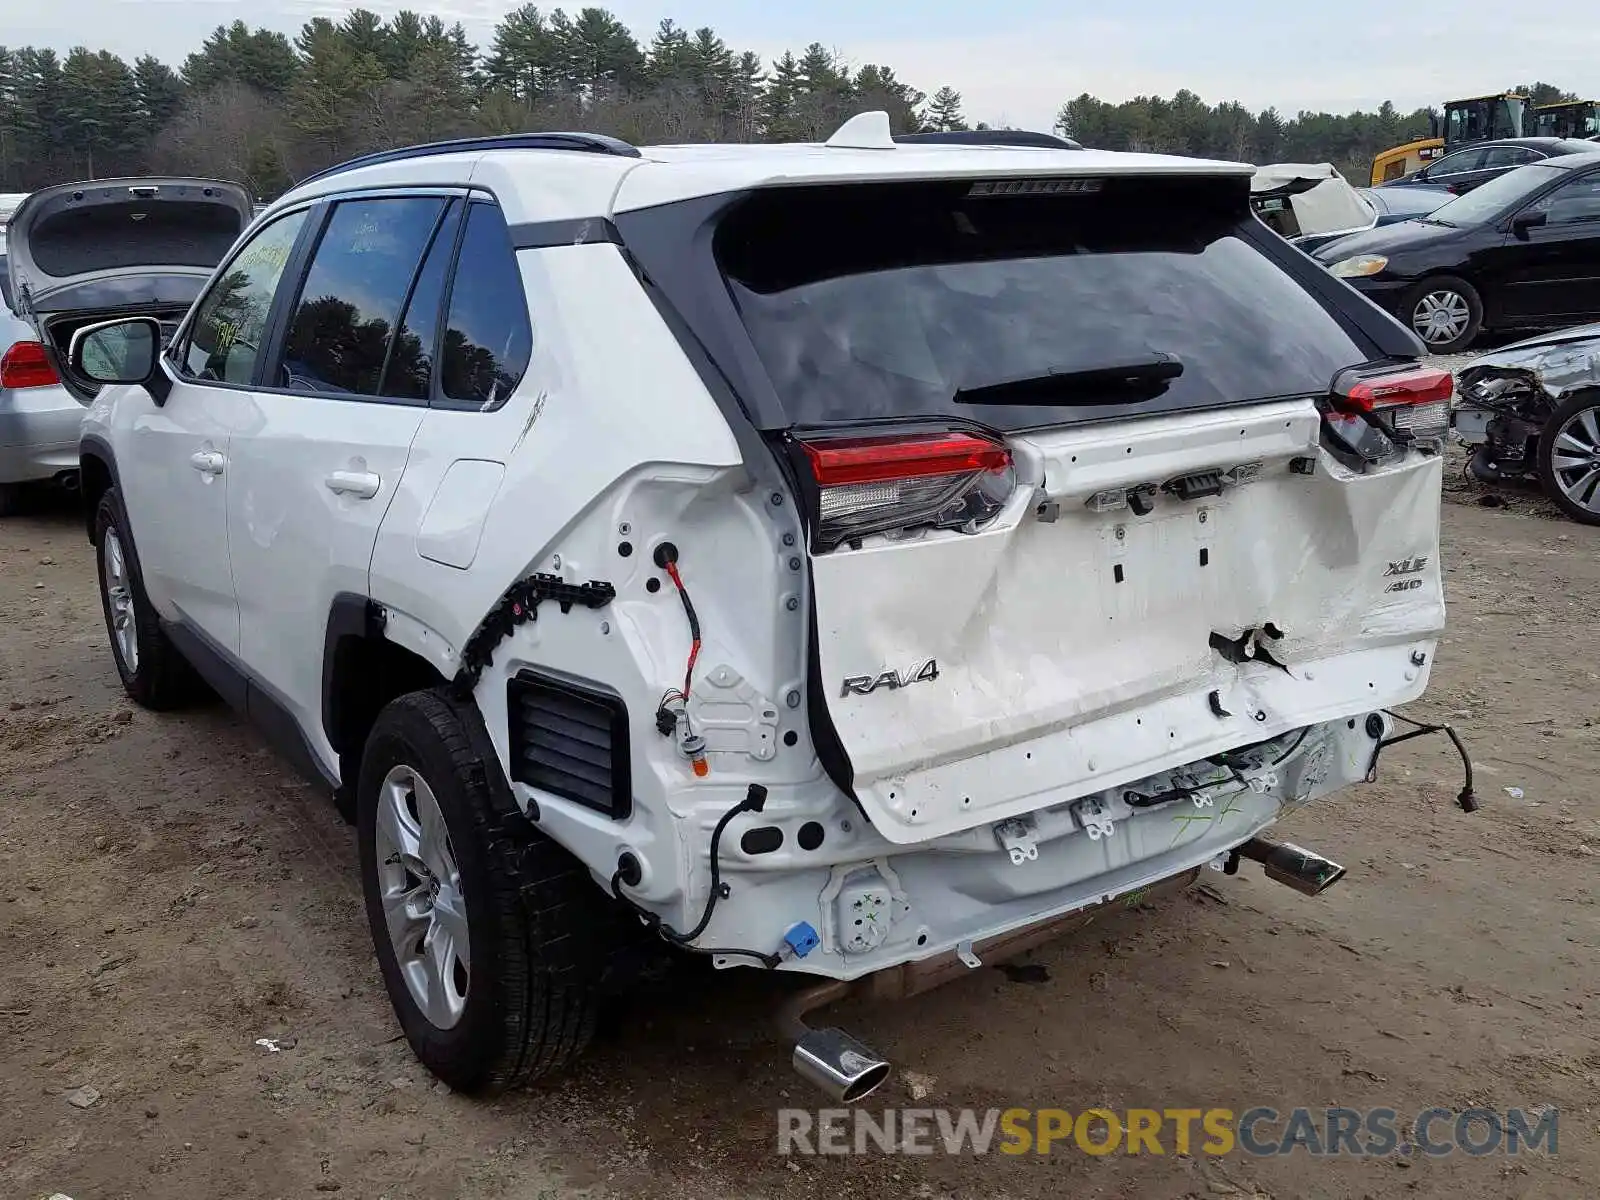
(1475,119)
(38,419)
(1522,252)
(1532,411)
(1312,204)
(855,560)
(79,253)
(1464,170)
(1309,203)
(1568,119)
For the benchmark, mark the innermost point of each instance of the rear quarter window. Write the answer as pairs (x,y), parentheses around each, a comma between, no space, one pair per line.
(488,339)
(872,302)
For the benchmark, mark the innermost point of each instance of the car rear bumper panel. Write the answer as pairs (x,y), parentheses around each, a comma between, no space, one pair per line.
(955,892)
(38,433)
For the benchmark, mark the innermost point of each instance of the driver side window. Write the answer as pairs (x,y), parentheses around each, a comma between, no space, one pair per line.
(225,338)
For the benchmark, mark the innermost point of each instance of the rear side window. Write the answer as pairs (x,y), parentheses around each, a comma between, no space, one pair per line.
(349,305)
(868,302)
(409,375)
(488,339)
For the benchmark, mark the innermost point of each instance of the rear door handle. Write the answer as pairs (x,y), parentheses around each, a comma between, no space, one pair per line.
(363,485)
(207,462)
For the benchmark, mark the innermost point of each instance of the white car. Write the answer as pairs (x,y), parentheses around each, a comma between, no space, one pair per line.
(853,559)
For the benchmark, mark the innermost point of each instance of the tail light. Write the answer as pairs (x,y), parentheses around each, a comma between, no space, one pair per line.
(1378,414)
(27,365)
(897,485)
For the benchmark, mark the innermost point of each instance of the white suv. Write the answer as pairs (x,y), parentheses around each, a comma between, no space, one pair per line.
(854,559)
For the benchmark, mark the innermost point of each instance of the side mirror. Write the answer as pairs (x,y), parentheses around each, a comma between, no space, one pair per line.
(1524,221)
(125,351)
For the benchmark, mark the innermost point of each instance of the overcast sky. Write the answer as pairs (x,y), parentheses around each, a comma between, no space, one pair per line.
(1014,61)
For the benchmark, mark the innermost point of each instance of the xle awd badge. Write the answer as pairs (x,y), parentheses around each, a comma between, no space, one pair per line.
(1406,566)
(865,685)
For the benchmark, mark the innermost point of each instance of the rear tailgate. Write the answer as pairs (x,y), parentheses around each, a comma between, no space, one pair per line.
(89,245)
(1170,566)
(1075,651)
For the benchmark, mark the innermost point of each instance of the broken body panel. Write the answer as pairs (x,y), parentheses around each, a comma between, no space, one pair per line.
(1532,411)
(1170,613)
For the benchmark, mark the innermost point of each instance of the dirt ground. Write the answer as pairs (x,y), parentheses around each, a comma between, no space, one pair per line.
(170,893)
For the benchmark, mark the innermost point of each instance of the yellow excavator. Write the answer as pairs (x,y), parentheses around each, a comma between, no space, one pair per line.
(1476,119)
(1569,119)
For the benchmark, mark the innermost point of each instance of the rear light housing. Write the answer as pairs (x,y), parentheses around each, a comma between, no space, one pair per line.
(27,365)
(1377,414)
(902,485)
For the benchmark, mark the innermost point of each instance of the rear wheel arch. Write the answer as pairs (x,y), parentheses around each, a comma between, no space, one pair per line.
(96,476)
(362,671)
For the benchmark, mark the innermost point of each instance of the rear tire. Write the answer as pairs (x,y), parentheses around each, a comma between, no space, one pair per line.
(1445,312)
(153,672)
(521,1001)
(1569,456)
(10,499)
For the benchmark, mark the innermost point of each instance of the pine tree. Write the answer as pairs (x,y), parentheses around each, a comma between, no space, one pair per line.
(263,60)
(523,59)
(944,111)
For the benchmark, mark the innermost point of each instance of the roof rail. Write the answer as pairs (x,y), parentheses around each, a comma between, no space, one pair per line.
(991,137)
(592,143)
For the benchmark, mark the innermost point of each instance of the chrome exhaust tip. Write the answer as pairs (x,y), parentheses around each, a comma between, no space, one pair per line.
(838,1064)
(829,1058)
(67,480)
(1294,866)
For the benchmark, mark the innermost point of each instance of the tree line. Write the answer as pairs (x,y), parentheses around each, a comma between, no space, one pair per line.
(256,106)
(1186,124)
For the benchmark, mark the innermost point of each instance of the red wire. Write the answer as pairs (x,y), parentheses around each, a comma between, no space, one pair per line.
(694,626)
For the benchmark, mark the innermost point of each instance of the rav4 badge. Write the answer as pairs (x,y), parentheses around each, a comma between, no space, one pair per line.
(865,685)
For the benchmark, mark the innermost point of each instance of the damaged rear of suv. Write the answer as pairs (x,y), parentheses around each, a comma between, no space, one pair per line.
(863,561)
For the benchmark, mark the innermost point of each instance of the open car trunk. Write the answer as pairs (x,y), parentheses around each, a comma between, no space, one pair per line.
(1074,515)
(86,252)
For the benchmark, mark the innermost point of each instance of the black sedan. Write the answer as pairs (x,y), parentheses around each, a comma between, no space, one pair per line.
(1473,166)
(1522,252)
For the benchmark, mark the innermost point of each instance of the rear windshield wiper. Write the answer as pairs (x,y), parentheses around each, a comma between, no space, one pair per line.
(1129,382)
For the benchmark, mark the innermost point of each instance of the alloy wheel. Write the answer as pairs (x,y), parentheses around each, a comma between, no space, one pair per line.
(1575,458)
(423,905)
(119,599)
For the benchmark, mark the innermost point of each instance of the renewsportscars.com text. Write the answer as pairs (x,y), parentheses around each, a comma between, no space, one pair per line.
(1260,1132)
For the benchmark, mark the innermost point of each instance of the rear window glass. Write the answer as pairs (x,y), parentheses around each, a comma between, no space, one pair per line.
(892,301)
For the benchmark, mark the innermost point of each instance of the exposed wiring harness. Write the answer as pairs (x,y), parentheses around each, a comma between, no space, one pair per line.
(627,871)
(694,626)
(675,701)
(1467,799)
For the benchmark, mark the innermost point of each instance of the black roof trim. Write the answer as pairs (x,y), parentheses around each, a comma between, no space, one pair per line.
(574,231)
(990,137)
(591,143)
